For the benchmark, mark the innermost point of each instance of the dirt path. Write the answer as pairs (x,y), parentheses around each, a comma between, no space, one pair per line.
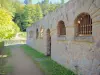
(22,64)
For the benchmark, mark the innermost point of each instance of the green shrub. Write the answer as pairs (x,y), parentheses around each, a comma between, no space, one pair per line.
(1,44)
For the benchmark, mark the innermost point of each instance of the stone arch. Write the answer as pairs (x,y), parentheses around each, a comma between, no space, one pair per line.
(61,29)
(83,24)
(48,42)
(37,33)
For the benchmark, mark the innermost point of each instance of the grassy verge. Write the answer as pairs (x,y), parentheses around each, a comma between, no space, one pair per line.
(8,67)
(7,51)
(49,66)
(5,67)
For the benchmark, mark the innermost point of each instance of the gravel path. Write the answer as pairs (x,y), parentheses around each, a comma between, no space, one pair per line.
(22,64)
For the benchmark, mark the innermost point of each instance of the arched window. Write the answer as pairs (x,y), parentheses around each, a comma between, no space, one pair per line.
(84,24)
(61,29)
(37,33)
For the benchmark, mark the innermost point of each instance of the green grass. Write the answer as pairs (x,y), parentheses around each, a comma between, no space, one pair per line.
(5,68)
(8,69)
(1,44)
(49,66)
(7,51)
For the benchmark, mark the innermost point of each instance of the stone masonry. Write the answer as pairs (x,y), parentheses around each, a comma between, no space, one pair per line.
(81,54)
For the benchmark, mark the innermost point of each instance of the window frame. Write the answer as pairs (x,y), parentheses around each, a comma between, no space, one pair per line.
(61,29)
(83,37)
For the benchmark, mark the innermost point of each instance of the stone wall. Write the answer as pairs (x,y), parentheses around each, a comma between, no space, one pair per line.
(80,54)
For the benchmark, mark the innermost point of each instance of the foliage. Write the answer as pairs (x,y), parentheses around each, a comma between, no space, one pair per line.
(24,15)
(28,1)
(9,5)
(53,7)
(48,7)
(28,15)
(62,1)
(49,66)
(1,45)
(8,27)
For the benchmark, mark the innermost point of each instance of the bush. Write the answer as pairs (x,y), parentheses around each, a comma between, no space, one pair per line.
(7,27)
(1,46)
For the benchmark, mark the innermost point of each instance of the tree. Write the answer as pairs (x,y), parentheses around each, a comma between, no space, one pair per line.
(44,6)
(28,15)
(53,7)
(28,1)
(7,27)
(48,7)
(62,1)
(10,5)
(38,14)
(46,2)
